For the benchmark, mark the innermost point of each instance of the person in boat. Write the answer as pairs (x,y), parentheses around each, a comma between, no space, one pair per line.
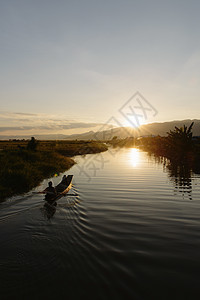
(50,192)
(64,178)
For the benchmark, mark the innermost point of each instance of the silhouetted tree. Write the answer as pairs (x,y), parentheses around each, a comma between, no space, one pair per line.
(179,144)
(180,139)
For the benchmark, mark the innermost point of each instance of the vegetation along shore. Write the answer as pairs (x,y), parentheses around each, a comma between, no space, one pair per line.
(179,148)
(25,163)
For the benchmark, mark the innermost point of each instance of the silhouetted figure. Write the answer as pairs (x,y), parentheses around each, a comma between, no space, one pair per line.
(32,144)
(64,178)
(50,192)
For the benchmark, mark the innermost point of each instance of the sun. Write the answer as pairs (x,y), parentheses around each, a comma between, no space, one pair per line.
(127,123)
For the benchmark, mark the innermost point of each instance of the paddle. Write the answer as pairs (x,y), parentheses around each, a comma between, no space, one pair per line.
(63,195)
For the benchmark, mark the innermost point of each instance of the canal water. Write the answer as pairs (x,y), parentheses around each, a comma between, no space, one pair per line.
(128,229)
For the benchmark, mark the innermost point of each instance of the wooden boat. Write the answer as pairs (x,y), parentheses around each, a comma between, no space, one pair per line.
(62,189)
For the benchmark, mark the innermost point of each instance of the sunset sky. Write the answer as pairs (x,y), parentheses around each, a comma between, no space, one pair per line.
(70,66)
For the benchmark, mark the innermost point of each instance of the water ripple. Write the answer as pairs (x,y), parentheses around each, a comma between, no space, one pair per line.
(130,233)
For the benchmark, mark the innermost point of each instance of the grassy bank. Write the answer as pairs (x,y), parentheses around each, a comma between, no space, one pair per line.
(67,148)
(23,169)
(177,154)
(179,147)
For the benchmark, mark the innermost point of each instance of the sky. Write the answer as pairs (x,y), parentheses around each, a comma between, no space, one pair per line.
(70,66)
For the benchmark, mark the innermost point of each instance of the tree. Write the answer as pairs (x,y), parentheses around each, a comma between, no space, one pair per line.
(179,140)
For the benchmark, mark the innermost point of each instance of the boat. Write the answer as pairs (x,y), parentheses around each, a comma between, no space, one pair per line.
(62,189)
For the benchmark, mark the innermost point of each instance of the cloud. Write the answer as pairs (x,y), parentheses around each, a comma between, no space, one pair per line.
(25,114)
(3,129)
(49,128)
(24,123)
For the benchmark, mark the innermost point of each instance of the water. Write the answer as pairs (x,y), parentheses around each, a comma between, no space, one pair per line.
(132,231)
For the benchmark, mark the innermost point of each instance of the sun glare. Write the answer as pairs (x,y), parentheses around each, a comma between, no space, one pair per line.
(133,124)
(134,157)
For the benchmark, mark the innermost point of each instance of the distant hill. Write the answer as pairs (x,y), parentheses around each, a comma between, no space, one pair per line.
(120,132)
(144,130)
(163,128)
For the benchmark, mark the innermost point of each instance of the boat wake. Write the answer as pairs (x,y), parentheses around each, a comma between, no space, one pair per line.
(67,202)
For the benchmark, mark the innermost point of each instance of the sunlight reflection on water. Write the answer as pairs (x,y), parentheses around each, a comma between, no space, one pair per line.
(126,235)
(134,157)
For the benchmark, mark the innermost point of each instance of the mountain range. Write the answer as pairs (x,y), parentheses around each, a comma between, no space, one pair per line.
(120,132)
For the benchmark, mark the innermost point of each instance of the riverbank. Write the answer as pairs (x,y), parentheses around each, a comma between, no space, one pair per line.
(23,169)
(179,150)
(64,147)
(178,157)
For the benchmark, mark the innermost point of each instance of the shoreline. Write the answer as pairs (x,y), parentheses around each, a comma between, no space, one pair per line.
(23,169)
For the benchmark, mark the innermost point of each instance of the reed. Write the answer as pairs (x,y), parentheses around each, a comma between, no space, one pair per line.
(21,170)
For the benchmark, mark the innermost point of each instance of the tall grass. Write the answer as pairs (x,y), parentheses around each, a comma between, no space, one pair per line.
(70,148)
(22,170)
